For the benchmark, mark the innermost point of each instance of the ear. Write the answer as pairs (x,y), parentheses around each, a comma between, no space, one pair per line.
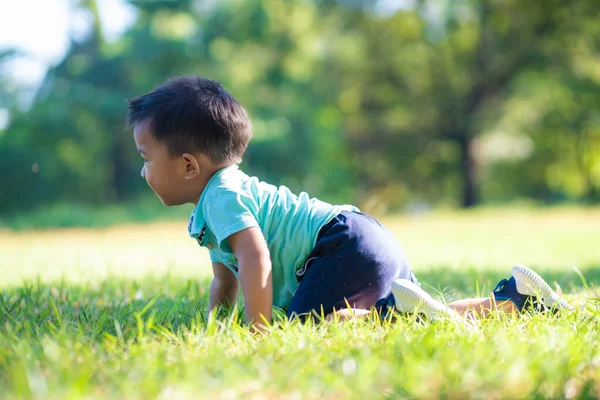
(192,166)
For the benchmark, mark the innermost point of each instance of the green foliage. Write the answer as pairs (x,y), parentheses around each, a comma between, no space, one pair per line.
(444,104)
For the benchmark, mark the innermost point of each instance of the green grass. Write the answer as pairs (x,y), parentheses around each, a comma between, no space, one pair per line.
(119,313)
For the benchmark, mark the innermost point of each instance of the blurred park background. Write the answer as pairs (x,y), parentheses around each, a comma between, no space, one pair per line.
(394,105)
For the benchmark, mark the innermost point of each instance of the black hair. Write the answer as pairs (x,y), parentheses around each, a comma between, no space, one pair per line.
(192,113)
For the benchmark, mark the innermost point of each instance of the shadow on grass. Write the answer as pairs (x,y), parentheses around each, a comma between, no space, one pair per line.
(474,282)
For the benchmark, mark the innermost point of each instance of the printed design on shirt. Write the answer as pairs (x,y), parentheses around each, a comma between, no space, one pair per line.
(190,225)
(201,235)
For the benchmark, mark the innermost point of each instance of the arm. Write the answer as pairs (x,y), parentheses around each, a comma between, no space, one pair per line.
(224,287)
(254,273)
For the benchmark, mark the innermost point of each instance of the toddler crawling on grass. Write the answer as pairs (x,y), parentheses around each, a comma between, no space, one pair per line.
(282,249)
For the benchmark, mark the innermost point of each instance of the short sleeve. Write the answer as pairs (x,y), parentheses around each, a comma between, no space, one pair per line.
(228,211)
(213,257)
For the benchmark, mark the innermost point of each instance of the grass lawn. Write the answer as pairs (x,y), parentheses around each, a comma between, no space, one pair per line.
(119,313)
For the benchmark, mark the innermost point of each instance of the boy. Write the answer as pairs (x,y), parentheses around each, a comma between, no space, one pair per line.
(294,252)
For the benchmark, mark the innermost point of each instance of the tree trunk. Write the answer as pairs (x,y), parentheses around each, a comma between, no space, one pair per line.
(592,194)
(468,171)
(118,178)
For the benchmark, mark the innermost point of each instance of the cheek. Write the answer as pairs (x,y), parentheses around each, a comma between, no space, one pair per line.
(154,178)
(148,175)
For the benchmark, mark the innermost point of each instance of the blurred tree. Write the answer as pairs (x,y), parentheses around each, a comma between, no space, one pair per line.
(437,102)
(435,78)
(7,95)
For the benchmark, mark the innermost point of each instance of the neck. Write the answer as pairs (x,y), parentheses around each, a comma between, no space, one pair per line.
(203,180)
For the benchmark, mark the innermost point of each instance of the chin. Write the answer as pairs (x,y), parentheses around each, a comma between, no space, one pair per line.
(169,203)
(166,202)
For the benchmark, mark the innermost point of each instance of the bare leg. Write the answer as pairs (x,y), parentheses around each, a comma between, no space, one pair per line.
(481,307)
(347,313)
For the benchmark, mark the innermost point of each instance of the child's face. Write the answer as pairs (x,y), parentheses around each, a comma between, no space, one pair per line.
(165,175)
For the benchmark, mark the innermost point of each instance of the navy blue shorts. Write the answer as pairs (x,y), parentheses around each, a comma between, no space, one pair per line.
(354,261)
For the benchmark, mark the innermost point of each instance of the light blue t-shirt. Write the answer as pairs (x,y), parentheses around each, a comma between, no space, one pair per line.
(233,201)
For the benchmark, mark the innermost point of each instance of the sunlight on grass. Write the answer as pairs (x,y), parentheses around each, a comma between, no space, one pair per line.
(120,313)
(485,240)
(84,254)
